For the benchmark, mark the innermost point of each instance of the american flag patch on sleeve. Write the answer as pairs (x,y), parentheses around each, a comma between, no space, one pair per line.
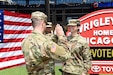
(53,48)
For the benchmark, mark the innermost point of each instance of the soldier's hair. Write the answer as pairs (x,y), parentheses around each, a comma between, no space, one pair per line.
(78,24)
(35,22)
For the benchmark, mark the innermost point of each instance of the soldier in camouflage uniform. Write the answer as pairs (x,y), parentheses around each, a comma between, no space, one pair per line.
(49,28)
(49,34)
(38,49)
(80,62)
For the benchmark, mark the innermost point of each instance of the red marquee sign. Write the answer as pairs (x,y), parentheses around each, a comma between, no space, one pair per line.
(97,27)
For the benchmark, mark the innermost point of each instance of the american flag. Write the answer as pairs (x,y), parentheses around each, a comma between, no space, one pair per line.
(14,27)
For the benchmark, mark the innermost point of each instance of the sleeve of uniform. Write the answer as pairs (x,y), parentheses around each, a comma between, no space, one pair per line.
(56,51)
(33,51)
(86,56)
(62,41)
(52,37)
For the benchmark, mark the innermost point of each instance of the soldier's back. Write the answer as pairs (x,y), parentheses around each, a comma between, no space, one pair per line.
(38,50)
(35,56)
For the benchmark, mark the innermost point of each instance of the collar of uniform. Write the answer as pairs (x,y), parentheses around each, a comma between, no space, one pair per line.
(34,32)
(76,36)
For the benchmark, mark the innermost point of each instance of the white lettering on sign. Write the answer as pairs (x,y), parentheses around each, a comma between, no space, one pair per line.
(96,68)
(99,40)
(96,23)
(107,68)
(102,32)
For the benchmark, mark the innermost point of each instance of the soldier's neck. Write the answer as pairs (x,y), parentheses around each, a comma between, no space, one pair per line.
(38,30)
(74,34)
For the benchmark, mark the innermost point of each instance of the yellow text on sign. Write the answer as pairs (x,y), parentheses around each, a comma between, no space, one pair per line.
(102,53)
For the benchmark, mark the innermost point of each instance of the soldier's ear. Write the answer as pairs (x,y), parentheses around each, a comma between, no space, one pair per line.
(43,24)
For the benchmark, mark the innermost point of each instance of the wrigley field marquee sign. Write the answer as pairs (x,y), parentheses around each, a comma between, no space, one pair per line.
(97,28)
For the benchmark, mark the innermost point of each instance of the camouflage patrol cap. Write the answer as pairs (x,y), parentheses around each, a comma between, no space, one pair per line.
(74,22)
(39,15)
(49,24)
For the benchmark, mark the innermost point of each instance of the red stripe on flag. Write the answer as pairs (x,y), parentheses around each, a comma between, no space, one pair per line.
(13,40)
(17,31)
(13,66)
(10,49)
(16,23)
(16,14)
(17,59)
(11,58)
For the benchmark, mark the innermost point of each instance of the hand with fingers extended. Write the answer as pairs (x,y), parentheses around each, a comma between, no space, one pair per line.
(59,30)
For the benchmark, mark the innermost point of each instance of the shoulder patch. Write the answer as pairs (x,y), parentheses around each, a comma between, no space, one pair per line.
(53,48)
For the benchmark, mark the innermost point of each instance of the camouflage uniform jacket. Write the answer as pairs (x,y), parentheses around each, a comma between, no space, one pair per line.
(81,57)
(51,64)
(38,50)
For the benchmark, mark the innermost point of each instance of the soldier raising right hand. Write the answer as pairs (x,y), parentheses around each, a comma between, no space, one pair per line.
(38,49)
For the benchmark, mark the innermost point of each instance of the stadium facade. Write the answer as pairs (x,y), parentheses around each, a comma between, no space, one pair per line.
(60,10)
